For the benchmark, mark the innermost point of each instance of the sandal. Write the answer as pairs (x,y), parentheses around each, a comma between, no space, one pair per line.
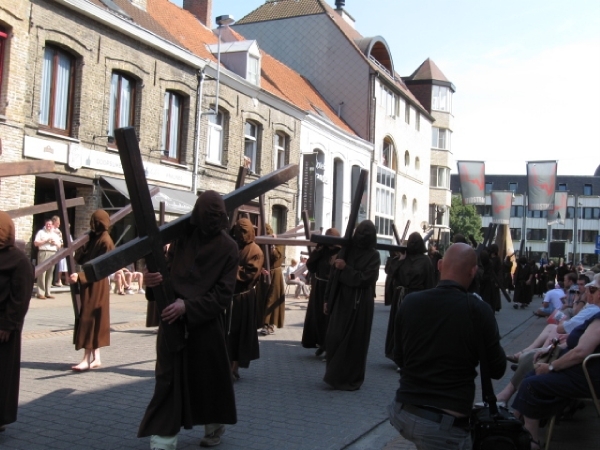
(514,358)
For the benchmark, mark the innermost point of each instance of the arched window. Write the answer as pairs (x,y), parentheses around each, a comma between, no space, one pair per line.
(121,111)
(415,206)
(3,47)
(388,154)
(172,126)
(56,91)
(281,144)
(338,194)
(417,164)
(406,158)
(279,219)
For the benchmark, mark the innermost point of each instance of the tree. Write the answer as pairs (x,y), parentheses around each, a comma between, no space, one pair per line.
(464,219)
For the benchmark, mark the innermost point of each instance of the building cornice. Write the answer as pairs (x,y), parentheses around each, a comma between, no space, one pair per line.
(133,30)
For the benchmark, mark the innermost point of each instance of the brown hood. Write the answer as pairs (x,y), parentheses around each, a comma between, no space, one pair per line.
(7,231)
(209,213)
(415,244)
(243,232)
(365,235)
(269,230)
(100,221)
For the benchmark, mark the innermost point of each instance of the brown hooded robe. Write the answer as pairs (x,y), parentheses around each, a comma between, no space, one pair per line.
(16,284)
(274,313)
(93,329)
(193,385)
(351,312)
(243,339)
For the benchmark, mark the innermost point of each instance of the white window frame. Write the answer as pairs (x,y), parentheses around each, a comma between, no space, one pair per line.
(385,198)
(251,144)
(440,138)
(441,98)
(214,141)
(280,146)
(439,177)
(253,72)
(124,98)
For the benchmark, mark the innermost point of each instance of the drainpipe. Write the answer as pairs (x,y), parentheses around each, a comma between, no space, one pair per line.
(200,77)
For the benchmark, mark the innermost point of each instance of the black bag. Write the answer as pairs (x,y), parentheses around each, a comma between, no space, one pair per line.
(493,427)
(497,432)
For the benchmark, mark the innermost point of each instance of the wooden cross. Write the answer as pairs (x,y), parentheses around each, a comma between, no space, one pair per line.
(239,182)
(44,207)
(263,230)
(82,240)
(149,243)
(13,169)
(307,233)
(67,244)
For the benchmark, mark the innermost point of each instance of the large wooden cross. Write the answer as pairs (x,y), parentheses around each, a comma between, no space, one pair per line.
(149,243)
(17,168)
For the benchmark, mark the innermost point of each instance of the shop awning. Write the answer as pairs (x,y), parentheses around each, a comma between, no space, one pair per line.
(176,202)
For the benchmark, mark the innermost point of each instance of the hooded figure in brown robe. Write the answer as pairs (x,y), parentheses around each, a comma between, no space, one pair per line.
(243,339)
(274,311)
(410,274)
(316,321)
(16,284)
(193,385)
(351,311)
(93,328)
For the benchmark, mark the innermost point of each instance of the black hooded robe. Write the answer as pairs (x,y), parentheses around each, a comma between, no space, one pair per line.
(351,312)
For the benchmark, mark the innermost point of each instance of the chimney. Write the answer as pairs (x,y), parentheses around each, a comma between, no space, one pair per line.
(339,4)
(339,8)
(202,9)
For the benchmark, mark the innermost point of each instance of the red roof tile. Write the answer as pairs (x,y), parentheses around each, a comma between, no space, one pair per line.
(428,70)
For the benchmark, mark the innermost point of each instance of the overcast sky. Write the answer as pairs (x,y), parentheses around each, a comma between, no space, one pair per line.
(527,72)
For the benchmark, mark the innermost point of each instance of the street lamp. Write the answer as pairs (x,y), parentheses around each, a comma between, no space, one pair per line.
(222,21)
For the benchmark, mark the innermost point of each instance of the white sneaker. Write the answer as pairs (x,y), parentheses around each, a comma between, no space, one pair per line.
(129,292)
(141,291)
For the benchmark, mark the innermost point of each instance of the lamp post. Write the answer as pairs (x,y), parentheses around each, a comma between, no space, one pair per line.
(222,21)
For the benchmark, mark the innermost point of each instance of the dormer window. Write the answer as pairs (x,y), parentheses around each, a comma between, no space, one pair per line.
(441,98)
(241,57)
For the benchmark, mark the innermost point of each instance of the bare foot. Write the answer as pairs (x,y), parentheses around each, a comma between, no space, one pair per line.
(96,364)
(81,367)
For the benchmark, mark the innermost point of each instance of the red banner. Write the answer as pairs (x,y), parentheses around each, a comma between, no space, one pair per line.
(472,182)
(541,182)
(558,213)
(501,203)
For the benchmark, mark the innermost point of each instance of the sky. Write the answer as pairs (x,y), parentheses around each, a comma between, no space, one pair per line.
(527,73)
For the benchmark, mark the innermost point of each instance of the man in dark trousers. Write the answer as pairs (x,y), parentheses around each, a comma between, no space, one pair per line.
(16,283)
(194,385)
(437,350)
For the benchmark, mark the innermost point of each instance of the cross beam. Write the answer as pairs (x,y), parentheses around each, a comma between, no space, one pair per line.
(149,243)
(17,168)
(44,207)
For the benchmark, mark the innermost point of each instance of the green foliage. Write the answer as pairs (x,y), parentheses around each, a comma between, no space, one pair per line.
(464,219)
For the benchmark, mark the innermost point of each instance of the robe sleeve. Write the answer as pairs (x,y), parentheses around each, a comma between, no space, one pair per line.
(21,283)
(102,247)
(202,308)
(313,259)
(362,277)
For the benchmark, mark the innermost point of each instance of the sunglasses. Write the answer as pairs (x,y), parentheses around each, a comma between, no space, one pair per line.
(593,289)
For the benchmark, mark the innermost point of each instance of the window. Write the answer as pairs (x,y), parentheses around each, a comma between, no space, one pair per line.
(56,96)
(589,235)
(389,101)
(3,46)
(440,138)
(388,155)
(489,186)
(537,214)
(590,213)
(417,164)
(281,143)
(436,214)
(562,235)
(404,203)
(214,152)
(406,158)
(171,130)
(441,98)
(562,187)
(418,121)
(407,113)
(516,211)
(440,177)
(415,208)
(570,212)
(251,150)
(513,187)
(253,70)
(515,234)
(385,192)
(536,234)
(122,102)
(484,210)
(587,188)
(279,219)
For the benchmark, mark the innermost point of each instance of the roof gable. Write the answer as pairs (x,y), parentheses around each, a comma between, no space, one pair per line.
(428,70)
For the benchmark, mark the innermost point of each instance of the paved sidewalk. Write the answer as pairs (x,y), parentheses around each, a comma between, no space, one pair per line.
(282,401)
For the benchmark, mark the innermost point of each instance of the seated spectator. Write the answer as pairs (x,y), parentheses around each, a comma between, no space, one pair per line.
(296,274)
(552,300)
(130,276)
(548,390)
(583,311)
